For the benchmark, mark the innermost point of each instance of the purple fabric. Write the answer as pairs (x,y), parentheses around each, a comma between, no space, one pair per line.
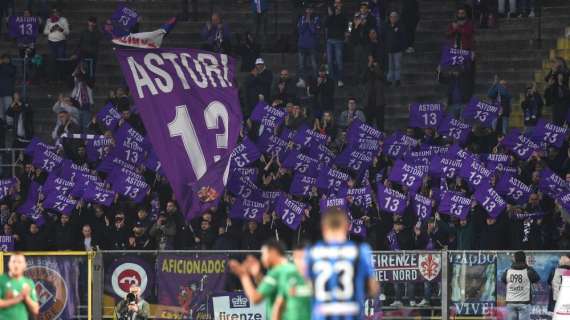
(564,201)
(244,154)
(46,160)
(270,197)
(301,163)
(152,163)
(60,203)
(82,181)
(6,185)
(445,167)
(490,200)
(455,129)
(354,160)
(322,153)
(359,129)
(513,189)
(331,180)
(309,139)
(7,243)
(110,162)
(290,211)
(234,181)
(398,144)
(390,200)
(361,197)
(551,184)
(25,29)
(131,187)
(109,116)
(273,116)
(302,185)
(422,206)
(527,215)
(130,145)
(328,203)
(520,145)
(191,111)
(368,146)
(358,228)
(406,175)
(496,161)
(97,148)
(480,111)
(243,187)
(454,204)
(272,145)
(70,170)
(58,185)
(245,209)
(426,115)
(97,195)
(474,172)
(453,57)
(393,242)
(420,157)
(36,144)
(124,18)
(549,133)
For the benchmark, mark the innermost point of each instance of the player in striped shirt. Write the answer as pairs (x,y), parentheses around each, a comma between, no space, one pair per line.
(340,271)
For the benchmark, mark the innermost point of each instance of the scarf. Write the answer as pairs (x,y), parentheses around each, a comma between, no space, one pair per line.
(54,19)
(393,241)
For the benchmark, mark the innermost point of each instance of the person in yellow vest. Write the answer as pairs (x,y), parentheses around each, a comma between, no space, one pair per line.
(18,298)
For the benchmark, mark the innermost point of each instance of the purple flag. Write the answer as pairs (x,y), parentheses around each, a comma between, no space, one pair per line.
(60,203)
(46,159)
(234,181)
(270,197)
(481,111)
(301,163)
(398,144)
(360,197)
(549,133)
(244,154)
(272,145)
(123,19)
(55,184)
(290,211)
(406,175)
(454,204)
(422,206)
(190,108)
(513,189)
(25,29)
(36,144)
(7,243)
(328,203)
(243,187)
(322,153)
(82,181)
(97,149)
(453,57)
(551,184)
(273,116)
(302,185)
(520,145)
(152,163)
(419,158)
(523,215)
(309,139)
(131,187)
(426,115)
(70,170)
(97,195)
(454,129)
(564,201)
(359,129)
(368,146)
(130,145)
(245,209)
(490,200)
(109,116)
(358,228)
(445,167)
(331,180)
(390,200)
(474,172)
(354,160)
(495,161)
(6,187)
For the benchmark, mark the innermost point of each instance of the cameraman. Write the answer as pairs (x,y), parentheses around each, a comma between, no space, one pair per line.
(133,307)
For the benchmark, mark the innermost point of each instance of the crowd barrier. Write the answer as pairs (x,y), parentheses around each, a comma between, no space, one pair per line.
(196,284)
(10,160)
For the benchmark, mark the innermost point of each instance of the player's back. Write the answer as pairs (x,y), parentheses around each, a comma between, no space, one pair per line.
(339,273)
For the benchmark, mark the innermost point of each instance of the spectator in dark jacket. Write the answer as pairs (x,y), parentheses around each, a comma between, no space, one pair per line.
(257,85)
(7,82)
(259,9)
(558,67)
(532,106)
(394,40)
(376,101)
(248,50)
(89,44)
(336,26)
(206,237)
(410,20)
(491,236)
(20,117)
(499,92)
(459,90)
(461,32)
(308,28)
(323,92)
(35,239)
(163,232)
(362,23)
(284,89)
(65,234)
(557,95)
(117,235)
(216,35)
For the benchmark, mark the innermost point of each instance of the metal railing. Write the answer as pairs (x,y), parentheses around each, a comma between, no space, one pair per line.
(14,156)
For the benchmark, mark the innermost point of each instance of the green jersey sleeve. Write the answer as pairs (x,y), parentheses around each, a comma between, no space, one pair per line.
(33,293)
(268,286)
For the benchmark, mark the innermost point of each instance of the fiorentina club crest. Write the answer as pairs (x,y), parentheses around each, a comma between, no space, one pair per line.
(207,194)
(429,265)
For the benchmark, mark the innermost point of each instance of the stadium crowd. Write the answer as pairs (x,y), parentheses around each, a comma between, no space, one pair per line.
(75,193)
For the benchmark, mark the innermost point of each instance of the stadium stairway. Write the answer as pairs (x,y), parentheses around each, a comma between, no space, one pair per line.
(510,50)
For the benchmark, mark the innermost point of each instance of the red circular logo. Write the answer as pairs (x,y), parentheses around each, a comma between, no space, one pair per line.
(127,278)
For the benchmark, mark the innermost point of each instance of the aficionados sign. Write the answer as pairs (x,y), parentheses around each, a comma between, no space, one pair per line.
(190,108)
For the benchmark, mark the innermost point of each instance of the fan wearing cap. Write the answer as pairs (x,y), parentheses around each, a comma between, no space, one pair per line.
(257,85)
(360,27)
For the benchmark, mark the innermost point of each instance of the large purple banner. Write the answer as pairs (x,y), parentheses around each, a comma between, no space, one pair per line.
(185,282)
(190,108)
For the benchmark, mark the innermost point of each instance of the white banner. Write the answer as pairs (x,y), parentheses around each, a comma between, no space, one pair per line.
(233,306)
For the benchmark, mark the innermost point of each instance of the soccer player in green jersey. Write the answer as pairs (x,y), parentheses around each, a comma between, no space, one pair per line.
(283,283)
(18,296)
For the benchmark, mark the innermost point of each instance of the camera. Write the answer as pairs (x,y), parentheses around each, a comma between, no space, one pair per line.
(131,298)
